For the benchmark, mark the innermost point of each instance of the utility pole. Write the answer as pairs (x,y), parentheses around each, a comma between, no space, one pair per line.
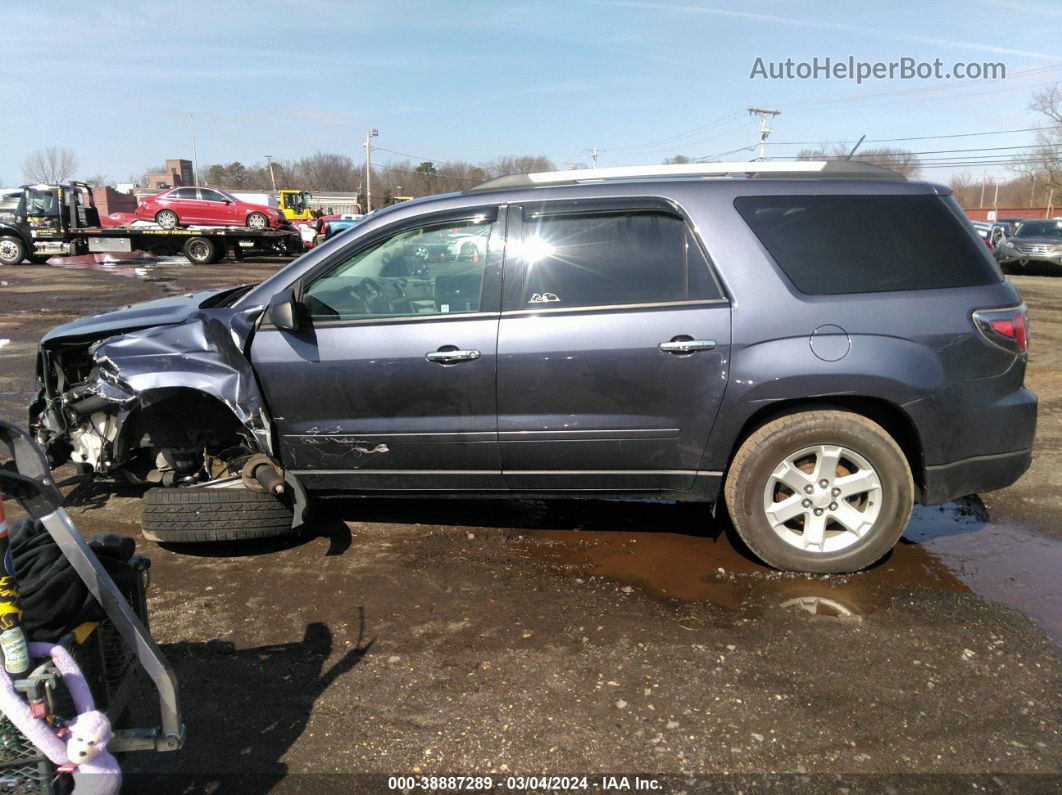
(368,167)
(981,204)
(764,129)
(272,177)
(995,199)
(195,156)
(593,155)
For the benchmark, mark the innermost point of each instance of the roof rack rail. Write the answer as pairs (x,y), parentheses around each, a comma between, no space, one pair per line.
(833,169)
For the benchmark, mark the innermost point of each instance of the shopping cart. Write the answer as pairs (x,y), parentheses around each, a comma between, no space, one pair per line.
(131,680)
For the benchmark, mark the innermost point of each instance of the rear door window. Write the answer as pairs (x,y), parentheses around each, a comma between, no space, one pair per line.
(611,258)
(831,245)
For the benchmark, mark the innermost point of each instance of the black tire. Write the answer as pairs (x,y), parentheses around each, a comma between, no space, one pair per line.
(39,259)
(200,250)
(752,476)
(257,221)
(194,515)
(12,250)
(167,219)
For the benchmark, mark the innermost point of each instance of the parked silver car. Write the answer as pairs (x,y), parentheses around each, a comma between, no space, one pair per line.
(1034,241)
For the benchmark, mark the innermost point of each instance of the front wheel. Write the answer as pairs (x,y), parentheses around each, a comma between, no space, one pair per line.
(257,221)
(820,491)
(194,515)
(12,250)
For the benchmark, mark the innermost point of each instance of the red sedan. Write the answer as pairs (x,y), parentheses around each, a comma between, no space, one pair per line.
(206,207)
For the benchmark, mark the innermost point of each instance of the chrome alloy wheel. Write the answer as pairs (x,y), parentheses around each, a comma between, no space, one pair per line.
(822,498)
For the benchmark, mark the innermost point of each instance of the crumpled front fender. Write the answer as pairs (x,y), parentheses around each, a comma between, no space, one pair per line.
(200,354)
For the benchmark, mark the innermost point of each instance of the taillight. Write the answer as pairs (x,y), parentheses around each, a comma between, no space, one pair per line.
(1007,328)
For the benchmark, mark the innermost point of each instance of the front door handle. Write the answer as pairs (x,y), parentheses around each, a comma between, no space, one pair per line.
(449,354)
(687,346)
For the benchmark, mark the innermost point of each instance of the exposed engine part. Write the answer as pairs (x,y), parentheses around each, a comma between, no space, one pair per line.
(90,405)
(261,473)
(175,467)
(90,439)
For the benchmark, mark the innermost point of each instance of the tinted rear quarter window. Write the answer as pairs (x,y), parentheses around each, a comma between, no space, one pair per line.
(830,245)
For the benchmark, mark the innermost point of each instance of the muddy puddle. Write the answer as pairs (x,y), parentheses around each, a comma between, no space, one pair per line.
(948,548)
(135,265)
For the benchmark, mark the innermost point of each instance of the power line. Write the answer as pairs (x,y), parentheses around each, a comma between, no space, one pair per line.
(669,139)
(918,137)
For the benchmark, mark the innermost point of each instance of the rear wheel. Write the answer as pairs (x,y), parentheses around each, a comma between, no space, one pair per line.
(201,250)
(167,219)
(257,221)
(820,491)
(12,250)
(193,515)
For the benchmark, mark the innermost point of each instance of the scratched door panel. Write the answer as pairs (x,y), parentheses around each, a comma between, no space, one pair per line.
(359,406)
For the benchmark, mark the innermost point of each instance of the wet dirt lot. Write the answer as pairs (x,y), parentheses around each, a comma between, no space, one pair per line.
(463,636)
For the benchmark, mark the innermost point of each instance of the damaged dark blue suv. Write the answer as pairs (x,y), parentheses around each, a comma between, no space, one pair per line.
(819,344)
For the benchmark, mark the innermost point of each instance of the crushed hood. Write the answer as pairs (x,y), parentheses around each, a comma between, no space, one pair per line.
(161,312)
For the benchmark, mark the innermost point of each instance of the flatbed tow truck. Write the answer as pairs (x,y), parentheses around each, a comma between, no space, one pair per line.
(42,221)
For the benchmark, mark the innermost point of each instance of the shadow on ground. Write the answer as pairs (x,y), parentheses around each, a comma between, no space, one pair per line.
(243,709)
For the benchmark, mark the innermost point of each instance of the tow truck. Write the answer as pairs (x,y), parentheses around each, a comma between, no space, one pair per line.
(42,221)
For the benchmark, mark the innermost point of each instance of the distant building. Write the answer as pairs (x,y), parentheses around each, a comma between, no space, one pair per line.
(178,172)
(108,200)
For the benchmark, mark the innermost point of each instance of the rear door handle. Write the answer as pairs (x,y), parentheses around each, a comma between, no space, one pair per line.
(687,346)
(448,354)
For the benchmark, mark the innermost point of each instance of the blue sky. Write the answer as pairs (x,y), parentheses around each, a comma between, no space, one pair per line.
(115,81)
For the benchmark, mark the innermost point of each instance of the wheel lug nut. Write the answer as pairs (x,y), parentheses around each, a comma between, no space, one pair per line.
(835,492)
(806,503)
(808,489)
(833,506)
(824,483)
(818,511)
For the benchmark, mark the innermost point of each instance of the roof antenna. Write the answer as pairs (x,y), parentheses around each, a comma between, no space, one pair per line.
(862,138)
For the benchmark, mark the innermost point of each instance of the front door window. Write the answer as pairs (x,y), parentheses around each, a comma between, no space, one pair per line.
(431,270)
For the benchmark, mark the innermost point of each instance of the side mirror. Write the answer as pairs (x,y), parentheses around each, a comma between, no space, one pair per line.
(285,311)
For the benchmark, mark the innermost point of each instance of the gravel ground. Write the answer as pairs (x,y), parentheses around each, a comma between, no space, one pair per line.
(483,637)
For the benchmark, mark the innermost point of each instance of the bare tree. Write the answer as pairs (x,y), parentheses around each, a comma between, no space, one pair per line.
(49,165)
(522,164)
(327,171)
(677,160)
(98,179)
(1046,155)
(902,160)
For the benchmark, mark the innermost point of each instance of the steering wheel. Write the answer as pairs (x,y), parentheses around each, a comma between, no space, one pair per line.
(372,294)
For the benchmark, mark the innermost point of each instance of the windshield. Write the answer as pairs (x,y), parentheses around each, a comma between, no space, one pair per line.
(1040,229)
(41,202)
(296,202)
